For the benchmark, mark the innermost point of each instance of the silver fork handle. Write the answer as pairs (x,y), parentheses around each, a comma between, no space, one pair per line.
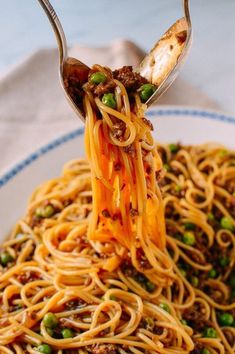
(57,27)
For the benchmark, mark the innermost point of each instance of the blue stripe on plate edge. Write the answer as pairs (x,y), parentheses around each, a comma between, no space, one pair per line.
(72,135)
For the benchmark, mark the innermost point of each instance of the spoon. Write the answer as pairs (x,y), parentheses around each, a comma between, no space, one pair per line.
(160,67)
(69,67)
(163,63)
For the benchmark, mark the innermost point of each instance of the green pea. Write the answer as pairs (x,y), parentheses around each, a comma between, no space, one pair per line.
(166,167)
(205,351)
(67,333)
(210,217)
(49,211)
(184,322)
(227,223)
(178,188)
(44,348)
(173,148)
(224,261)
(194,281)
(183,272)
(113,297)
(210,332)
(50,320)
(98,78)
(212,273)
(18,307)
(226,319)
(150,286)
(232,282)
(38,212)
(150,322)
(45,212)
(109,100)
(165,307)
(223,153)
(5,258)
(189,226)
(189,238)
(146,91)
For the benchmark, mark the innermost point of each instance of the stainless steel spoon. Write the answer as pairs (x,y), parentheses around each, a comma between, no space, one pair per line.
(163,63)
(68,66)
(159,67)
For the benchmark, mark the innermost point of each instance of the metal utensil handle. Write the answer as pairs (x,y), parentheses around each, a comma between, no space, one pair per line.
(187,13)
(57,27)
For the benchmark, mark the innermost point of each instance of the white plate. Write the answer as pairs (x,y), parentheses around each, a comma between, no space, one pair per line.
(171,124)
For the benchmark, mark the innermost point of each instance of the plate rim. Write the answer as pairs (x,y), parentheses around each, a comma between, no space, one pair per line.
(174,112)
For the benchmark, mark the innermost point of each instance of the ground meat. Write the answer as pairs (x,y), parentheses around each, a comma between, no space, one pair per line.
(104,332)
(230,337)
(197,349)
(230,185)
(128,269)
(117,166)
(151,325)
(130,79)
(144,153)
(33,315)
(130,150)
(133,212)
(74,88)
(169,210)
(181,37)
(195,316)
(162,182)
(27,277)
(67,202)
(230,205)
(171,230)
(159,175)
(35,221)
(215,294)
(105,213)
(77,77)
(158,330)
(195,257)
(106,87)
(74,304)
(162,154)
(103,349)
(148,123)
(142,259)
(119,130)
(65,323)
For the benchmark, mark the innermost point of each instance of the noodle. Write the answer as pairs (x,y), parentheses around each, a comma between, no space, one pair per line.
(91,268)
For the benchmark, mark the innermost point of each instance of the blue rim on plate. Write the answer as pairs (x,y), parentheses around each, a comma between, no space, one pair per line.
(72,135)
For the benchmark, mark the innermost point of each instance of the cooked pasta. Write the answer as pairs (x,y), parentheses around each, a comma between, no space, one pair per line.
(91,268)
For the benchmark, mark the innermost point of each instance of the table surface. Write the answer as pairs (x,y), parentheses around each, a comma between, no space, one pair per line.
(210,66)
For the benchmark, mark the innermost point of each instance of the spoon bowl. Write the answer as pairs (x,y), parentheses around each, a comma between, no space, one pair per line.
(69,67)
(163,63)
(74,69)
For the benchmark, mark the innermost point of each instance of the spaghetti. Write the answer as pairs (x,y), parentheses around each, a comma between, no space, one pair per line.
(87,271)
